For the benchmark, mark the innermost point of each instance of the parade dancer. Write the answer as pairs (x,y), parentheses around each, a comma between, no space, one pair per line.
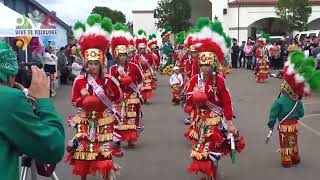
(166,58)
(91,150)
(226,66)
(214,133)
(182,56)
(176,82)
(300,78)
(191,69)
(144,62)
(131,51)
(152,45)
(192,63)
(130,77)
(262,54)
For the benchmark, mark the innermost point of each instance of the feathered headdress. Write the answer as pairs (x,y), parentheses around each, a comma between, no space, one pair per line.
(93,37)
(120,39)
(131,46)
(141,39)
(180,39)
(263,37)
(152,42)
(300,76)
(166,33)
(189,41)
(210,41)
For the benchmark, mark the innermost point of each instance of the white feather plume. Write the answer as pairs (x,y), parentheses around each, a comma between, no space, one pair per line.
(299,78)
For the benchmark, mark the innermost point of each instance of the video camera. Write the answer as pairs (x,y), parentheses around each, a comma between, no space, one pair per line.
(24,75)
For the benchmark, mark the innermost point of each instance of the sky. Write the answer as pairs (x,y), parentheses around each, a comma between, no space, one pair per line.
(72,10)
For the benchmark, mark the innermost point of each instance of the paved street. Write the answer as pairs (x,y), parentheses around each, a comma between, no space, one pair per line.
(163,154)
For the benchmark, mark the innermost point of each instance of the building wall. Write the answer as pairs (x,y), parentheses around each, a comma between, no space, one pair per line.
(250,15)
(61,38)
(144,20)
(23,7)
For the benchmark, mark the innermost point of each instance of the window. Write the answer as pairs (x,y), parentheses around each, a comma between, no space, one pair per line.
(302,36)
(312,34)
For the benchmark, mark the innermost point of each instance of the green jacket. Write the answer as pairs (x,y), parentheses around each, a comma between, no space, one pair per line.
(39,136)
(281,107)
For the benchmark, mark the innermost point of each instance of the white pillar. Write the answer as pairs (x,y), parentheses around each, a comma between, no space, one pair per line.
(217,11)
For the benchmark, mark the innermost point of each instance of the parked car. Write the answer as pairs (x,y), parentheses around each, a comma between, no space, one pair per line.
(301,35)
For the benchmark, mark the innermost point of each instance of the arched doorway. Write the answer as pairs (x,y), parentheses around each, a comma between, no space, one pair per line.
(314,25)
(269,25)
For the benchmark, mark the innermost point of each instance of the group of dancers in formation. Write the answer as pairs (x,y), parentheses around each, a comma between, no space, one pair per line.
(110,101)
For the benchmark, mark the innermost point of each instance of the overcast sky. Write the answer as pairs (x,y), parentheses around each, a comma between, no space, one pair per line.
(72,10)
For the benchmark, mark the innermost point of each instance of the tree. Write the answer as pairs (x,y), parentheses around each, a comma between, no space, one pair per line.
(294,13)
(130,26)
(174,14)
(115,15)
(70,36)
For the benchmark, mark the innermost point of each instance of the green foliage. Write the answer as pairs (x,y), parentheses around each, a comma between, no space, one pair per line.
(294,13)
(173,13)
(115,15)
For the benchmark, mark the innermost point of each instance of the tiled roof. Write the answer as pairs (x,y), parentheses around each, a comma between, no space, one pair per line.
(262,2)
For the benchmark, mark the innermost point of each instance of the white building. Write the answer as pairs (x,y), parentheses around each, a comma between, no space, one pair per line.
(144,19)
(253,15)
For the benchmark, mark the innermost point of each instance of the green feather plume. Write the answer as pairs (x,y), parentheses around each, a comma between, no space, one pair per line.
(106,24)
(215,26)
(315,82)
(152,36)
(93,19)
(142,32)
(79,25)
(120,27)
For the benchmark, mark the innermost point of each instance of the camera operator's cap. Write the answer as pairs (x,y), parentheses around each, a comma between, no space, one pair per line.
(8,62)
(176,68)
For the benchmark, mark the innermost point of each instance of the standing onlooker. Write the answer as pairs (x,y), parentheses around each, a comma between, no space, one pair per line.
(293,46)
(50,66)
(50,61)
(235,53)
(284,53)
(306,46)
(242,55)
(63,66)
(315,49)
(254,58)
(248,51)
(77,67)
(275,55)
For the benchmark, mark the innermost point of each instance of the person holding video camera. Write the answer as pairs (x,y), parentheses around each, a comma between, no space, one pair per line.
(34,130)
